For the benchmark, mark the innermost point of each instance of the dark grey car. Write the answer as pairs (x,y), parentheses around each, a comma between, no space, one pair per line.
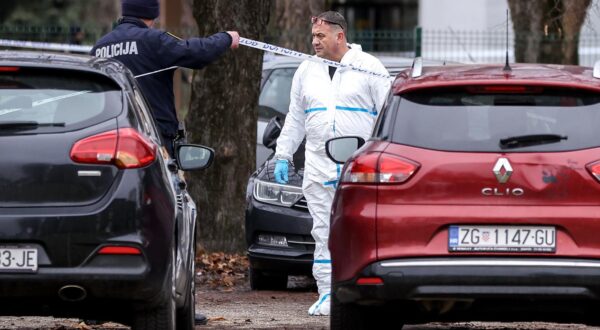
(94,221)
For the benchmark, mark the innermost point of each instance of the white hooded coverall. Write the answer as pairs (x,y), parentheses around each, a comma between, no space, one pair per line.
(322,108)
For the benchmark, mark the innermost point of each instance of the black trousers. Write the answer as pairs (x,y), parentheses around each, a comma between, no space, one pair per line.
(169,143)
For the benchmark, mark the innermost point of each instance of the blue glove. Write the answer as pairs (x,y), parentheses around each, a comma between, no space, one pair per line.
(281,171)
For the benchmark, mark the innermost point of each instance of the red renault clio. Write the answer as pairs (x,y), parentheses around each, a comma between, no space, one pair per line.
(477,198)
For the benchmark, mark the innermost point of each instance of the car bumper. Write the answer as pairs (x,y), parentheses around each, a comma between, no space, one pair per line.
(109,285)
(106,276)
(271,262)
(294,224)
(68,242)
(471,279)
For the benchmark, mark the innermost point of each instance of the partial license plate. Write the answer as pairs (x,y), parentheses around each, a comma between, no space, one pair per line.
(18,259)
(502,238)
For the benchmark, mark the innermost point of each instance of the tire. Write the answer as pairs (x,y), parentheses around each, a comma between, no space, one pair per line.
(186,314)
(262,281)
(356,317)
(163,316)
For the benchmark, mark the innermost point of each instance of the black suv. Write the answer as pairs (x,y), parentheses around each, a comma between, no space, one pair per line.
(95,221)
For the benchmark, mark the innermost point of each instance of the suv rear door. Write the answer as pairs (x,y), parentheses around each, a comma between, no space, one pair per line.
(482,145)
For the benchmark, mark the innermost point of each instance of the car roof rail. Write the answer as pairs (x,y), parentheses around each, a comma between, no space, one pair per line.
(417,67)
(596,73)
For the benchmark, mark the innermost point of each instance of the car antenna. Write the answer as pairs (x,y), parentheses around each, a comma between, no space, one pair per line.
(506,65)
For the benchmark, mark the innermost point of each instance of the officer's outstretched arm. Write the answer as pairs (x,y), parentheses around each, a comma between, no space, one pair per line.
(193,53)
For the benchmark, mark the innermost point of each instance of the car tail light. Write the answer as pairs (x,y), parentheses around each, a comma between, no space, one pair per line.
(393,169)
(119,250)
(369,281)
(134,150)
(500,89)
(379,168)
(125,148)
(9,68)
(362,169)
(594,169)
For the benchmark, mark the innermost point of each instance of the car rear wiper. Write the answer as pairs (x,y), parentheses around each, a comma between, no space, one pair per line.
(25,125)
(530,140)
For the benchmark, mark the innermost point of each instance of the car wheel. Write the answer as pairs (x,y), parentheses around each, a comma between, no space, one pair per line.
(355,317)
(186,314)
(163,316)
(262,281)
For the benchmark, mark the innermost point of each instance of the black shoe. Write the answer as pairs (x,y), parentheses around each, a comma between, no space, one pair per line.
(200,319)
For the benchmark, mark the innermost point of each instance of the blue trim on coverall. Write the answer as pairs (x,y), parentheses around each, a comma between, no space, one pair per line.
(322,300)
(314,109)
(374,113)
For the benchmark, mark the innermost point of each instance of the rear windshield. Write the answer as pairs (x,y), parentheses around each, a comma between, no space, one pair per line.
(55,100)
(475,119)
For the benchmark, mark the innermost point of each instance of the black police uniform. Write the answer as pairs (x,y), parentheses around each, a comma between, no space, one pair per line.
(144,50)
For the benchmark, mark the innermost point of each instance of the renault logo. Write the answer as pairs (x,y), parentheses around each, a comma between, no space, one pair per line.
(502,170)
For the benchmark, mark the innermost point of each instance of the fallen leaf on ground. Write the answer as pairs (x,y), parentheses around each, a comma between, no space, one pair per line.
(83,326)
(219,269)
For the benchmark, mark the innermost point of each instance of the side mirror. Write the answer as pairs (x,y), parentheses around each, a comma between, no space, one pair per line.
(194,157)
(272,132)
(341,148)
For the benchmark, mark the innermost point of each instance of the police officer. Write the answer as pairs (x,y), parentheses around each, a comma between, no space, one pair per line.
(144,50)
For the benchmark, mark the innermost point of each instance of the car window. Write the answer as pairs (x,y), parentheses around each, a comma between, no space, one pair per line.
(70,99)
(382,125)
(275,95)
(469,120)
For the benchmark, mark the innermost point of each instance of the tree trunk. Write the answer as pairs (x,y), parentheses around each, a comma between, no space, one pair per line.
(290,26)
(572,20)
(223,115)
(547,31)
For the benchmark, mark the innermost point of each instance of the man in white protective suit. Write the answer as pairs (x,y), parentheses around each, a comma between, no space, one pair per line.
(326,102)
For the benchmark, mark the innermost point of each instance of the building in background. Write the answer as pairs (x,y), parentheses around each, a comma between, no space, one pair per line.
(384,26)
(379,14)
(470,31)
(453,30)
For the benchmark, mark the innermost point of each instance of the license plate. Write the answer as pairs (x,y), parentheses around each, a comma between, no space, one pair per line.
(502,238)
(18,259)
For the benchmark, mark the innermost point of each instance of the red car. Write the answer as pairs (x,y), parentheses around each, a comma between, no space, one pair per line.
(477,198)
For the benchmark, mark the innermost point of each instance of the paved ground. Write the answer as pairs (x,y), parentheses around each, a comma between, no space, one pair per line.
(241,308)
(238,307)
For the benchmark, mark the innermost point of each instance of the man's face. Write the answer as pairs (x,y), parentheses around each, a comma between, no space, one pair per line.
(324,40)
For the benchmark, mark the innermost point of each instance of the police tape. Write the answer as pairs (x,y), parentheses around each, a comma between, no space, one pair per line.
(292,53)
(46,46)
(243,41)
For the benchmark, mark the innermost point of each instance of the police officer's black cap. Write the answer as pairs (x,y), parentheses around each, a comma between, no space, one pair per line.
(149,9)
